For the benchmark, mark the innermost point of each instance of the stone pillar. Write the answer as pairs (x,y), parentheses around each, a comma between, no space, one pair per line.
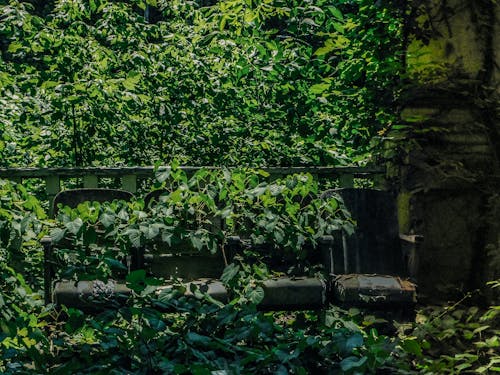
(450,168)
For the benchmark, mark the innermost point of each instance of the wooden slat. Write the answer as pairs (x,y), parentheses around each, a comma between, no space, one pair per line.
(129,183)
(326,171)
(149,171)
(346,180)
(52,187)
(90,181)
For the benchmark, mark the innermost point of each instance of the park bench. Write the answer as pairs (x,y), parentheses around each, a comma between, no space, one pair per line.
(72,198)
(371,267)
(374,265)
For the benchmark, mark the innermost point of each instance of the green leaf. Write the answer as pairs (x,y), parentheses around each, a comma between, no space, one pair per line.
(195,338)
(196,242)
(492,342)
(167,238)
(338,27)
(33,204)
(319,88)
(162,174)
(227,175)
(123,215)
(136,276)
(332,202)
(226,212)
(309,21)
(258,191)
(412,346)
(323,51)
(49,84)
(14,46)
(107,219)
(57,234)
(354,341)
(136,280)
(151,231)
(229,273)
(223,21)
(263,173)
(174,164)
(134,236)
(74,226)
(462,367)
(351,363)
(113,263)
(279,236)
(255,295)
(132,80)
(175,196)
(336,13)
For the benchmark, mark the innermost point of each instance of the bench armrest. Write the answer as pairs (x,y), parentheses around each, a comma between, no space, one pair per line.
(48,272)
(411,238)
(410,245)
(327,247)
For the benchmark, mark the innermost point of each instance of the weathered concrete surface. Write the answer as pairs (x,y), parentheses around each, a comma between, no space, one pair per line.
(450,221)
(459,47)
(450,168)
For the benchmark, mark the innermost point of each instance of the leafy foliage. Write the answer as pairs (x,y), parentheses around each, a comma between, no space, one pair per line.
(233,82)
(197,334)
(454,339)
(229,82)
(165,330)
(199,214)
(21,221)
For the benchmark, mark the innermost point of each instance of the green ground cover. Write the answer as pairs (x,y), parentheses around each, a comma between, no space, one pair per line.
(198,334)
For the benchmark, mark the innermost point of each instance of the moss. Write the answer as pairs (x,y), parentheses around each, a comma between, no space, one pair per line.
(403,202)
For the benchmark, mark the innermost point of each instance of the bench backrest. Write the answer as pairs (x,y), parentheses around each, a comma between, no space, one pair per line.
(74,197)
(375,246)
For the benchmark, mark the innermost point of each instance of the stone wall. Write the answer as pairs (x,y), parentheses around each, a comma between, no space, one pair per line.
(449,172)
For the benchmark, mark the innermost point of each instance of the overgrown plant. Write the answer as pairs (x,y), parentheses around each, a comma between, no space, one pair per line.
(164,330)
(232,82)
(199,213)
(454,339)
(21,222)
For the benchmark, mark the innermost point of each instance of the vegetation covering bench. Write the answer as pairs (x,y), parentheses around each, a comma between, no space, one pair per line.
(369,266)
(72,198)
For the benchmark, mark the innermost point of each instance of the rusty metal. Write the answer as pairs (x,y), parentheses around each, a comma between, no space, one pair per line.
(89,295)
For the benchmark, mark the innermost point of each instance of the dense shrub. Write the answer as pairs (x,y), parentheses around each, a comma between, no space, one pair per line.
(233,82)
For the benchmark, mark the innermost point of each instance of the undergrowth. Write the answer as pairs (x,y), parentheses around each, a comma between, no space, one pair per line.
(164,330)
